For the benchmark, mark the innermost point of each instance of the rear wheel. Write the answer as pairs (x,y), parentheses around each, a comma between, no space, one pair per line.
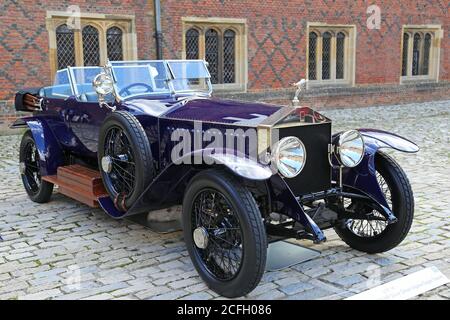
(224,233)
(38,190)
(374,236)
(125,158)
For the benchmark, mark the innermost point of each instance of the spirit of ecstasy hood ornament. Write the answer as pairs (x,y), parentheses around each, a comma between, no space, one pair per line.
(301,86)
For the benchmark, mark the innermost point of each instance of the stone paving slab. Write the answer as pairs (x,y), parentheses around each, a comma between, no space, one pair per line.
(65,250)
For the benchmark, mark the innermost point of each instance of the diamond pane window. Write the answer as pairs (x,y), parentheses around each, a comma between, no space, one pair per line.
(426,54)
(416,54)
(405,54)
(326,55)
(340,51)
(229,38)
(312,61)
(192,40)
(114,45)
(91,46)
(65,46)
(212,53)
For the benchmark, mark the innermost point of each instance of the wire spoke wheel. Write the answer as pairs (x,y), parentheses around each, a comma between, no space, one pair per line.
(121,175)
(222,250)
(371,228)
(31,171)
(38,190)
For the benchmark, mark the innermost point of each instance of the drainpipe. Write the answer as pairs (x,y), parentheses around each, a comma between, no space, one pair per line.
(158,32)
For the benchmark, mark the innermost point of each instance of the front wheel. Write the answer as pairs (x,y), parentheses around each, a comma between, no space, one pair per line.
(374,236)
(224,233)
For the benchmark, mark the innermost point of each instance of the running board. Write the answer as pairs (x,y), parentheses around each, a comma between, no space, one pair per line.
(80,183)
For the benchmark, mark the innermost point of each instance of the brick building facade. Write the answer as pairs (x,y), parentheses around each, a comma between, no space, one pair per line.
(352,52)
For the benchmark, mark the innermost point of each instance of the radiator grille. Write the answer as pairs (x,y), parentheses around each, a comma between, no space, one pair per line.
(316,175)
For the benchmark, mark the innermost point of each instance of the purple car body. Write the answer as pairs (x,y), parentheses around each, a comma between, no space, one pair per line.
(70,126)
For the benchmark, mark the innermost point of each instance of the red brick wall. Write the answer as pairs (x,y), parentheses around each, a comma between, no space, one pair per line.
(24,42)
(277,36)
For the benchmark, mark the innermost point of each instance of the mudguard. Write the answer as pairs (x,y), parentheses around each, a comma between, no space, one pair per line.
(50,153)
(363,176)
(163,191)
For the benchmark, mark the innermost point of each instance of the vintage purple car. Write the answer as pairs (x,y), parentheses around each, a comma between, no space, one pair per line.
(137,136)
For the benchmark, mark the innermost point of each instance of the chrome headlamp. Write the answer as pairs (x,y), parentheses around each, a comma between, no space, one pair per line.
(289,156)
(349,149)
(103,84)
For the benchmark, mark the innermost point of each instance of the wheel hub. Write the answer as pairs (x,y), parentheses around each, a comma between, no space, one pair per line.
(107,164)
(200,236)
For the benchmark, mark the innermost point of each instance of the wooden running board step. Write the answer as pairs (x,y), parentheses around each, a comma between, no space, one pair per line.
(79,183)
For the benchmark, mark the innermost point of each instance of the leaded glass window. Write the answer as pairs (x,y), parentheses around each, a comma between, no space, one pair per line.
(212,54)
(114,44)
(340,51)
(312,52)
(420,53)
(192,44)
(65,46)
(426,54)
(229,38)
(416,54)
(326,55)
(91,46)
(218,45)
(405,54)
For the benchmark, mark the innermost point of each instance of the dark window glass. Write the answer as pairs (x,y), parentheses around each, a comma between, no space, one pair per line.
(312,51)
(416,54)
(91,47)
(212,54)
(326,55)
(229,38)
(340,48)
(192,38)
(426,54)
(405,54)
(114,44)
(65,46)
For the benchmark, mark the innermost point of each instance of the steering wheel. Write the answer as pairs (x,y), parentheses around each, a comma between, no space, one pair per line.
(127,91)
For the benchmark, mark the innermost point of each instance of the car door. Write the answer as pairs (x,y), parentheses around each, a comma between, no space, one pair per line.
(85,116)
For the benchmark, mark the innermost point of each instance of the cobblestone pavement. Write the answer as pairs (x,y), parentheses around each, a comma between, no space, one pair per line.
(48,248)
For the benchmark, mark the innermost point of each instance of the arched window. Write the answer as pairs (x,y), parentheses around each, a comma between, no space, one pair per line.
(420,53)
(212,53)
(405,54)
(340,52)
(416,54)
(229,38)
(114,45)
(65,47)
(191,45)
(312,56)
(221,46)
(426,54)
(326,55)
(91,46)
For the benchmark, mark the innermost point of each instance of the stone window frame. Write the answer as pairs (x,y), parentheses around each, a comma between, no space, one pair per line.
(350,32)
(436,32)
(239,26)
(102,22)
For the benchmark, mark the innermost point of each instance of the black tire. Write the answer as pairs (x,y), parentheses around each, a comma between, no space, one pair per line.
(38,190)
(402,205)
(139,170)
(243,211)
